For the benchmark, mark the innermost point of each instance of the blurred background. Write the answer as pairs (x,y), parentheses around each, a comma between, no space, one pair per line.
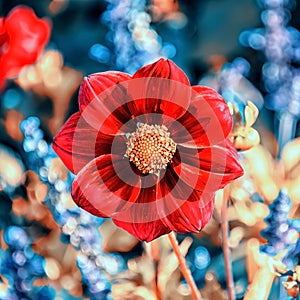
(248,51)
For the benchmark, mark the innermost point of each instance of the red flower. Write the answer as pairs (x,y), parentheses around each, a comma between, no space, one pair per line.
(23,37)
(149,150)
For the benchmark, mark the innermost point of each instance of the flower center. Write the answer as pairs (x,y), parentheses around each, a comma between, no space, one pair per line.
(150,148)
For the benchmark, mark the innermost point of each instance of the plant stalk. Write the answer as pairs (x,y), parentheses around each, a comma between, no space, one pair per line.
(186,272)
(226,250)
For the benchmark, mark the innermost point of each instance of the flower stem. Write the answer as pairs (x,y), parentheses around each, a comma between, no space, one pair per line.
(226,250)
(155,259)
(186,272)
(152,250)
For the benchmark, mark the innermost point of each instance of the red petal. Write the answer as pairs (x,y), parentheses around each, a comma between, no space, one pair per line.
(164,207)
(207,102)
(207,169)
(225,166)
(146,231)
(94,85)
(2,29)
(77,143)
(106,185)
(102,100)
(191,216)
(142,218)
(163,68)
(161,88)
(3,34)
(182,208)
(207,121)
(28,36)
(189,131)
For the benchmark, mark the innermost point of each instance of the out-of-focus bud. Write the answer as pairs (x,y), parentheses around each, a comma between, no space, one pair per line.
(243,136)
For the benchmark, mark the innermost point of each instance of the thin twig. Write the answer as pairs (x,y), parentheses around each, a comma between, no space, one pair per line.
(226,250)
(186,272)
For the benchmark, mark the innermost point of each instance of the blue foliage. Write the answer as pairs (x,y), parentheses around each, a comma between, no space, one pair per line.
(20,266)
(280,44)
(280,231)
(133,41)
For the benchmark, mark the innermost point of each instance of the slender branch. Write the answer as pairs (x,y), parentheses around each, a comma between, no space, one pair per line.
(186,272)
(226,250)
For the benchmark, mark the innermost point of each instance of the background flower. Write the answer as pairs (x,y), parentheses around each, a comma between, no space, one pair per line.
(23,36)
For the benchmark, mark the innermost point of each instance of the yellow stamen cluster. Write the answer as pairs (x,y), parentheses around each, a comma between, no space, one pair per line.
(150,148)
